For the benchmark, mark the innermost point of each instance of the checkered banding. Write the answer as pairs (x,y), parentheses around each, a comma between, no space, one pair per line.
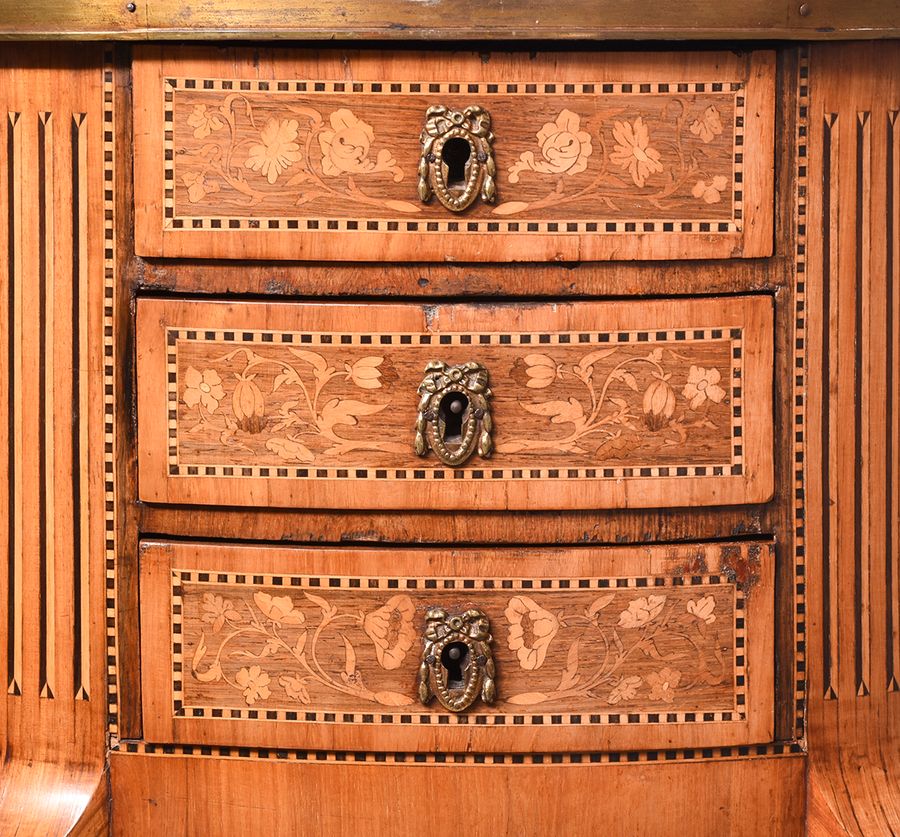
(358,757)
(799,392)
(110,365)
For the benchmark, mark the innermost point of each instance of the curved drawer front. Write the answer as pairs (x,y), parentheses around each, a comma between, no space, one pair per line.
(586,405)
(605,647)
(318,155)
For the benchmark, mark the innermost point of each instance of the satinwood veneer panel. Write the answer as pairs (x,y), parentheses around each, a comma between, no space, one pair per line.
(260,797)
(622,647)
(595,405)
(317,155)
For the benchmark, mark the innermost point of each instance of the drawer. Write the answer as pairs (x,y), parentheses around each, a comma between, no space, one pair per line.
(635,403)
(297,154)
(619,647)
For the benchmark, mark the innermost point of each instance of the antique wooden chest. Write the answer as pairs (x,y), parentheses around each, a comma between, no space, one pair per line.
(398,430)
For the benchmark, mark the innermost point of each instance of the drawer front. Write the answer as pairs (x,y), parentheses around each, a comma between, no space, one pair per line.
(319,155)
(622,647)
(587,405)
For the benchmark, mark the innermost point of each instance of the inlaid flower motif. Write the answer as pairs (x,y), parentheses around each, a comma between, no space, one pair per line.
(703,384)
(365,372)
(564,147)
(633,152)
(710,192)
(391,630)
(279,609)
(345,147)
(703,609)
(204,122)
(277,151)
(248,405)
(641,611)
(217,610)
(625,689)
(204,388)
(659,403)
(254,683)
(531,630)
(198,187)
(708,126)
(663,684)
(540,371)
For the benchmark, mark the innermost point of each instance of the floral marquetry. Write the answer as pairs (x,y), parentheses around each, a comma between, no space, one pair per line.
(675,395)
(288,156)
(342,649)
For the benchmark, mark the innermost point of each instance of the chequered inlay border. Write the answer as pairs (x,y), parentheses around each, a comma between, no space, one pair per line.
(733,468)
(799,391)
(423,717)
(171,86)
(110,367)
(536,759)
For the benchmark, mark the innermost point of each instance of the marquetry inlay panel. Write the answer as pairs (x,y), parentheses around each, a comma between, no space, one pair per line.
(249,643)
(224,402)
(586,158)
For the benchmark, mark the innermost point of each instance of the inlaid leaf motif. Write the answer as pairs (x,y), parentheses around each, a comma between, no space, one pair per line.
(393,699)
(213,673)
(324,604)
(346,412)
(290,450)
(217,610)
(703,609)
(585,366)
(570,675)
(599,604)
(528,698)
(350,658)
(560,412)
(626,689)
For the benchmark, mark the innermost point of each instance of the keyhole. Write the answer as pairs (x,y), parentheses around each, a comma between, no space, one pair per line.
(455,154)
(453,659)
(452,409)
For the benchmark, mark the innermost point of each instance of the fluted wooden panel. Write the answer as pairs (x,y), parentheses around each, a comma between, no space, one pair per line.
(51,297)
(852,469)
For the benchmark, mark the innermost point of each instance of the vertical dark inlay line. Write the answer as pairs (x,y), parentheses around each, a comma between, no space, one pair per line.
(825,371)
(77,556)
(42,390)
(12,465)
(890,297)
(859,290)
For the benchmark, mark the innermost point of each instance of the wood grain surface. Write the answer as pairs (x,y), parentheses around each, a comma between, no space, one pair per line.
(617,647)
(53,643)
(314,156)
(852,471)
(450,20)
(684,412)
(739,798)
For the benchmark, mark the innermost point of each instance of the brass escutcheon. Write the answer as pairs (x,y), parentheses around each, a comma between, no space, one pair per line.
(457,663)
(457,162)
(454,418)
